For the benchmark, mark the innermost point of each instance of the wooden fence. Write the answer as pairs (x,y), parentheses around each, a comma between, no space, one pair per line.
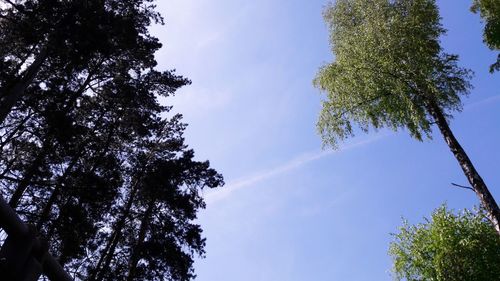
(24,255)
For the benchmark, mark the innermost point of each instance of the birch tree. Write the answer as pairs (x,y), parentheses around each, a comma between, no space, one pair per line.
(390,71)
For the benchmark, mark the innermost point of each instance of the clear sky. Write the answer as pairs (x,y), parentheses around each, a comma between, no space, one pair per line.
(290,210)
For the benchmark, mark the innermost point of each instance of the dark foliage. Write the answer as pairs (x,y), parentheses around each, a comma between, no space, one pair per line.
(87,155)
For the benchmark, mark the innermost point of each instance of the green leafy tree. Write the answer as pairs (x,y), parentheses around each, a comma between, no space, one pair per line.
(390,71)
(447,247)
(490,12)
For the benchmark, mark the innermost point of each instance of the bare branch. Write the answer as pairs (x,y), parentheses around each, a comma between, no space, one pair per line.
(463,186)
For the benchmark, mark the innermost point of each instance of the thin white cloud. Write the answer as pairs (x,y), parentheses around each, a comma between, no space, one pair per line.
(307,158)
(483,102)
(293,164)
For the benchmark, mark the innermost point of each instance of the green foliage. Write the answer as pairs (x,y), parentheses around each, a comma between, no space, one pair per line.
(449,246)
(490,12)
(388,68)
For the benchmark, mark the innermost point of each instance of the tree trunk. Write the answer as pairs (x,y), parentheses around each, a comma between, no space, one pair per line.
(30,173)
(477,183)
(23,185)
(14,93)
(135,256)
(105,260)
(44,217)
(15,131)
(61,182)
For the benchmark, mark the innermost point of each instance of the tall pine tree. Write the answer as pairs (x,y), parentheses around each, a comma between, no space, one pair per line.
(86,156)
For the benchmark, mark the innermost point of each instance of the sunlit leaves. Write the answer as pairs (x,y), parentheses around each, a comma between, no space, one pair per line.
(447,247)
(388,65)
(490,12)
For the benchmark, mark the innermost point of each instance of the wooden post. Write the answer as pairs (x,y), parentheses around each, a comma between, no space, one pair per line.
(24,256)
(14,255)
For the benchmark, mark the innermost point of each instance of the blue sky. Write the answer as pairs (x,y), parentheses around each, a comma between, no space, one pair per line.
(290,210)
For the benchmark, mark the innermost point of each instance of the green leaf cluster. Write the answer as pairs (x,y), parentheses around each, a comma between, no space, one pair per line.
(447,247)
(388,67)
(490,12)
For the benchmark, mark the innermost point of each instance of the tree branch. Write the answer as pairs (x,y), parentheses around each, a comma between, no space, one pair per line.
(463,186)
(16,6)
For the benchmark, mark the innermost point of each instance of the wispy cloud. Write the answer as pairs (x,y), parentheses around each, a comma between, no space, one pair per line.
(291,165)
(483,102)
(307,158)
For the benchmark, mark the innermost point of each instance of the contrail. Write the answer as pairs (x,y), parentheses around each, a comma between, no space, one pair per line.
(482,102)
(288,166)
(307,158)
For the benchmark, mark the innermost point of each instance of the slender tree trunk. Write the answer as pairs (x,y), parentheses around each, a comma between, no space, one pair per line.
(15,131)
(135,256)
(44,217)
(105,260)
(95,271)
(23,185)
(477,183)
(14,93)
(28,176)
(99,158)
(7,140)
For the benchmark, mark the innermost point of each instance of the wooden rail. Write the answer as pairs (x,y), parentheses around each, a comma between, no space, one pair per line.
(24,256)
